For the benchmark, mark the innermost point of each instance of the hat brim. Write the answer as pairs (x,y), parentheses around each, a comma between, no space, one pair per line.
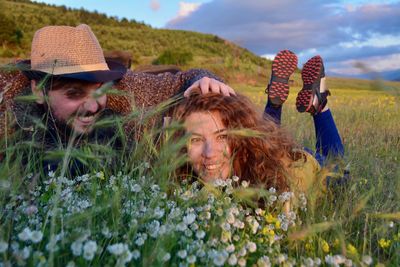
(116,72)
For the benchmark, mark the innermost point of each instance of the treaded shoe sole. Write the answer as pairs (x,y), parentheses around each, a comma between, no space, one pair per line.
(284,64)
(311,75)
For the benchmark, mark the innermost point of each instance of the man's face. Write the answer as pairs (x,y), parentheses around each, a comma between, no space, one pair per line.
(77,105)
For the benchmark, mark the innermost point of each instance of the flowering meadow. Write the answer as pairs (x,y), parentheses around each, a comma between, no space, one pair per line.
(128,208)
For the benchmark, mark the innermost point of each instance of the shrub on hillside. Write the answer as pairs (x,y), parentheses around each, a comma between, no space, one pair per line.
(171,57)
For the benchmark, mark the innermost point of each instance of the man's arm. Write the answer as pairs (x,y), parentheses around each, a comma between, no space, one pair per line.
(145,90)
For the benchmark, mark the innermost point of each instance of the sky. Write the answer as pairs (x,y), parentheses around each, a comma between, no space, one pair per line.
(347,34)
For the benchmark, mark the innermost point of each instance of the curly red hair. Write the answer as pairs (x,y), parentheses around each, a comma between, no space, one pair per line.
(261,157)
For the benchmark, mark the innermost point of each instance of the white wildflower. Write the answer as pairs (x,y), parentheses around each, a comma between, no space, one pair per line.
(89,249)
(281,258)
(117,249)
(136,188)
(242,252)
(391,224)
(188,232)
(181,226)
(232,260)
(25,235)
(367,259)
(272,190)
(70,264)
(339,259)
(194,226)
(258,211)
(136,254)
(159,212)
(272,199)
(235,178)
(189,219)
(219,183)
(36,236)
(139,241)
(264,262)
(317,261)
(25,253)
(230,218)
(200,234)
(239,224)
(3,246)
(245,183)
(51,174)
(166,257)
(220,258)
(154,228)
(285,196)
(242,262)
(76,248)
(309,262)
(191,259)
(155,188)
(348,263)
(182,254)
(230,248)
(106,232)
(251,246)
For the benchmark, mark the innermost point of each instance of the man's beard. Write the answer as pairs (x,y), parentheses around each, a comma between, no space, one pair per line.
(63,128)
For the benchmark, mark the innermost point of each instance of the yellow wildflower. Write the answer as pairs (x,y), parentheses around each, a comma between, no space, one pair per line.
(277,224)
(309,246)
(397,237)
(268,231)
(270,218)
(383,243)
(351,249)
(325,246)
(336,243)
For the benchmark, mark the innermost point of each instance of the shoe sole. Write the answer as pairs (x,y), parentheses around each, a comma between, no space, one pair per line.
(310,74)
(284,64)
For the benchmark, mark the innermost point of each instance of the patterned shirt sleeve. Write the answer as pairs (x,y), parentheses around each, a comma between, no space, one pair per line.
(146,90)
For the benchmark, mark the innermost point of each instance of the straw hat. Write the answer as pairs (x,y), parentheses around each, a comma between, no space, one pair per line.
(69,52)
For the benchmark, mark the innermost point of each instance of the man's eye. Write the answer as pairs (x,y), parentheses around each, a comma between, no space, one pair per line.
(75,93)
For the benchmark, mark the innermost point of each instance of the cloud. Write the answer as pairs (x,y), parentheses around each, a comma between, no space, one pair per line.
(154,5)
(185,9)
(335,30)
(381,64)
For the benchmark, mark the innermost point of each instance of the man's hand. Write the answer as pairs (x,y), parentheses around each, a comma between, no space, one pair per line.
(207,85)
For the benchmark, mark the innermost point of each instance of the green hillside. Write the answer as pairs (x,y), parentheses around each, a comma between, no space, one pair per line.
(20,19)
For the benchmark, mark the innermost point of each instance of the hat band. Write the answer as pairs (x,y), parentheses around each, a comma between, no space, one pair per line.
(59,70)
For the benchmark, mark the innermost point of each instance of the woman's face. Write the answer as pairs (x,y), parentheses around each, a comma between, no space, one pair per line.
(208,149)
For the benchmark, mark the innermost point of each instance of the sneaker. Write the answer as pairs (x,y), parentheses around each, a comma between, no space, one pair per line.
(284,64)
(311,75)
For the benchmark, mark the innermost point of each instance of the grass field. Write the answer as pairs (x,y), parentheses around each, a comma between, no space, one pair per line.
(120,213)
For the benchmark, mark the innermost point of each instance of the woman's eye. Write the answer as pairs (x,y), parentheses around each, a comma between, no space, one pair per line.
(195,140)
(222,137)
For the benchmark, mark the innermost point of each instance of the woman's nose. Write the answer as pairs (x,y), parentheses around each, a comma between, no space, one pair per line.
(210,149)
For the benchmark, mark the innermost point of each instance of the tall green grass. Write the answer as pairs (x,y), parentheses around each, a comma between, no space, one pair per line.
(117,199)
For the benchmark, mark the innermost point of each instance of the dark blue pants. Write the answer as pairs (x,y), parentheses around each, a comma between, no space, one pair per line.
(328,139)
